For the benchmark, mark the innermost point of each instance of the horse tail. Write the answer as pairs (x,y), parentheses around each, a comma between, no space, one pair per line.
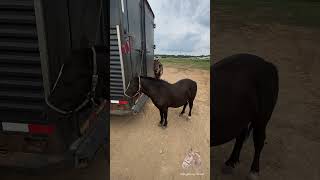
(268,89)
(195,88)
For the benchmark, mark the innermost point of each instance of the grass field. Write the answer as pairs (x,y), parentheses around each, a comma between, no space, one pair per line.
(291,12)
(186,63)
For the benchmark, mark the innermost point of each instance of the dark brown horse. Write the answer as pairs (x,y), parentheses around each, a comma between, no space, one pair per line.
(244,92)
(164,94)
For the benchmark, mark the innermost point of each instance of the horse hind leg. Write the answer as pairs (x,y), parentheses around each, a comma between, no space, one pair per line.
(190,109)
(192,95)
(184,109)
(259,135)
(234,158)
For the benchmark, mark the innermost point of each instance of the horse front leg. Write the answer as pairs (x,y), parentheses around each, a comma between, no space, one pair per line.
(161,119)
(165,116)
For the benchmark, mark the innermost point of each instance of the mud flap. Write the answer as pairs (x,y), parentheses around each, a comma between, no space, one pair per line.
(86,147)
(140,103)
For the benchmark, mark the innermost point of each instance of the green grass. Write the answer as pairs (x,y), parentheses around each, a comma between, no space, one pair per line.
(186,63)
(292,12)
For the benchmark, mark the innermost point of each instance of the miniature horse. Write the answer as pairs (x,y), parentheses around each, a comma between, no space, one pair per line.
(244,92)
(164,94)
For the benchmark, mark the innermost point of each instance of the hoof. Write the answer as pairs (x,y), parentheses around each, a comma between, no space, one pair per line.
(189,118)
(164,127)
(253,176)
(227,169)
(159,124)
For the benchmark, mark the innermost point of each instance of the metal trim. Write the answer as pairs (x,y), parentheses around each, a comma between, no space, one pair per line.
(121,58)
(122,6)
(42,40)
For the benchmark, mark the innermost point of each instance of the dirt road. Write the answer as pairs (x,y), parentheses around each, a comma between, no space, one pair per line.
(140,150)
(96,171)
(293,134)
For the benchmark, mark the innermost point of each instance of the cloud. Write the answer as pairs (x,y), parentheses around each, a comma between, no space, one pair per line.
(183,26)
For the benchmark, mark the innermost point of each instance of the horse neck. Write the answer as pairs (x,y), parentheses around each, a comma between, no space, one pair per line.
(148,87)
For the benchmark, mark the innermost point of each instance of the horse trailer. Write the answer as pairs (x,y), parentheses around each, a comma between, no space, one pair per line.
(35,38)
(131,51)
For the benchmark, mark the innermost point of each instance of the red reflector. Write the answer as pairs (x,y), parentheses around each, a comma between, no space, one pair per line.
(40,129)
(123,102)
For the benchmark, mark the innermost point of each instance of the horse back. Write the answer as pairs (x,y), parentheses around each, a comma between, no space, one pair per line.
(188,86)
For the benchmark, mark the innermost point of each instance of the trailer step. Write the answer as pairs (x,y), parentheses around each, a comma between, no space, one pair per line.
(21,58)
(118,89)
(21,31)
(21,107)
(117,68)
(115,59)
(18,44)
(16,5)
(21,96)
(20,84)
(17,17)
(115,53)
(115,84)
(30,72)
(116,72)
(117,95)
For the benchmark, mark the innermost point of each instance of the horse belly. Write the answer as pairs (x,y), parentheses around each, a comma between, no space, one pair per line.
(226,127)
(233,112)
(178,102)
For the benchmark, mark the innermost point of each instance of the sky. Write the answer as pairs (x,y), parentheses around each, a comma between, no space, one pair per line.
(182,26)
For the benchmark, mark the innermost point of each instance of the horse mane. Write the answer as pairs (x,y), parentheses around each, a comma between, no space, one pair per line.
(154,79)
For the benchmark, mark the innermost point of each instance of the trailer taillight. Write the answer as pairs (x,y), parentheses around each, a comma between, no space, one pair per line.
(40,129)
(119,105)
(120,102)
(123,102)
